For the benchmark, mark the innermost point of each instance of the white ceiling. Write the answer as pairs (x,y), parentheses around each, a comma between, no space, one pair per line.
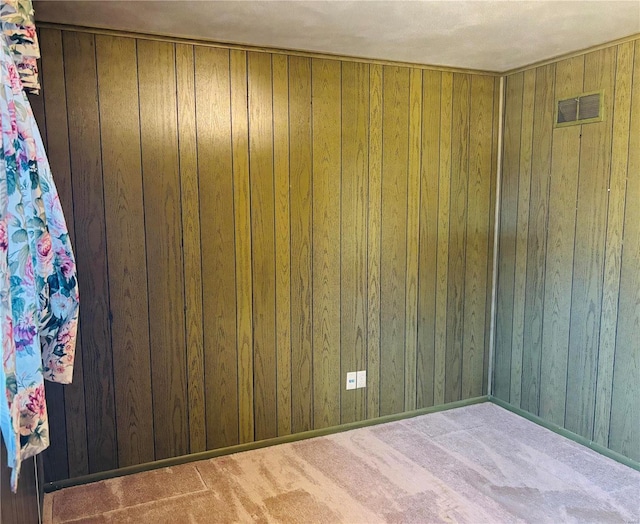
(487,34)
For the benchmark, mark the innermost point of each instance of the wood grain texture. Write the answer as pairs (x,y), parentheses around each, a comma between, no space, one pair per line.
(300,165)
(624,432)
(326,103)
(457,236)
(353,235)
(507,245)
(579,350)
(262,224)
(478,234)
(430,165)
(163,233)
(90,249)
(126,254)
(521,231)
(283,238)
(373,241)
(190,202)
(442,261)
(37,106)
(262,243)
(544,107)
(393,257)
(588,265)
(413,238)
(243,245)
(20,507)
(213,127)
(560,243)
(613,243)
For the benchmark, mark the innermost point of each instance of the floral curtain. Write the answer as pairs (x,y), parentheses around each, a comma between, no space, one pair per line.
(38,285)
(20,33)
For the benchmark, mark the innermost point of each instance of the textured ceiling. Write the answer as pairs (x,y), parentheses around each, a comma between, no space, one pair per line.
(488,35)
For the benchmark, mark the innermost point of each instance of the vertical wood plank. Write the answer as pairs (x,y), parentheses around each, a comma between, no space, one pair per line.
(91,249)
(373,240)
(55,110)
(442,261)
(163,233)
(430,149)
(243,244)
(413,237)
(588,266)
(213,128)
(21,506)
(522,229)
(613,244)
(263,243)
(190,201)
(58,459)
(301,243)
(283,238)
(393,258)
(624,431)
(120,133)
(326,241)
(457,236)
(560,240)
(37,106)
(537,237)
(353,236)
(507,248)
(478,234)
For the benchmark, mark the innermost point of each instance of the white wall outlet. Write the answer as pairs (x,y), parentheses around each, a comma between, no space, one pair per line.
(361,379)
(351,380)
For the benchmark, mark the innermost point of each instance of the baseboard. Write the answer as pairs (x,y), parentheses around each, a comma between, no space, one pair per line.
(175,461)
(567,434)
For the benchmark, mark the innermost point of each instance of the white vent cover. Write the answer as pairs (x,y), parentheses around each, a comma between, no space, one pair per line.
(581,109)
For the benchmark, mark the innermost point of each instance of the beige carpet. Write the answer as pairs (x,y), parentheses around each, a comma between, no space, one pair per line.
(474,464)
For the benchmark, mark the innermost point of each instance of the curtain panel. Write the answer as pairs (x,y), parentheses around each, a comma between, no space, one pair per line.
(38,284)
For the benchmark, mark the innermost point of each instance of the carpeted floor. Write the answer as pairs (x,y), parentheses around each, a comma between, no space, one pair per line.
(474,464)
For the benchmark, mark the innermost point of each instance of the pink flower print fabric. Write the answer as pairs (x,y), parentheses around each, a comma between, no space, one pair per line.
(38,284)
(19,31)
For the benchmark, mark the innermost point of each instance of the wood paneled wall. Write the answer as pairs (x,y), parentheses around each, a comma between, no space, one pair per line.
(20,507)
(251,226)
(568,316)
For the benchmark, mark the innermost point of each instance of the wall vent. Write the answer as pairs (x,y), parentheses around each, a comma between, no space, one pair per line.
(580,109)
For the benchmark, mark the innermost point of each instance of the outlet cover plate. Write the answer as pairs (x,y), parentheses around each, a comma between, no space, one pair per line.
(351,380)
(361,379)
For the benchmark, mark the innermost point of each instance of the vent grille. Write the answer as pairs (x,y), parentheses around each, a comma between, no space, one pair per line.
(567,110)
(581,109)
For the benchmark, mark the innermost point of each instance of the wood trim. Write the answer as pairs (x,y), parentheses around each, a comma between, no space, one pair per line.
(257,49)
(284,439)
(567,434)
(328,56)
(572,54)
(496,237)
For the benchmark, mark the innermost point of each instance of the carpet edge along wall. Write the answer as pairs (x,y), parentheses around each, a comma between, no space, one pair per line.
(568,298)
(249,227)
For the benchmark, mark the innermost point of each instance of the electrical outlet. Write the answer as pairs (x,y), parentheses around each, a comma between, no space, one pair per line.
(361,379)
(351,380)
